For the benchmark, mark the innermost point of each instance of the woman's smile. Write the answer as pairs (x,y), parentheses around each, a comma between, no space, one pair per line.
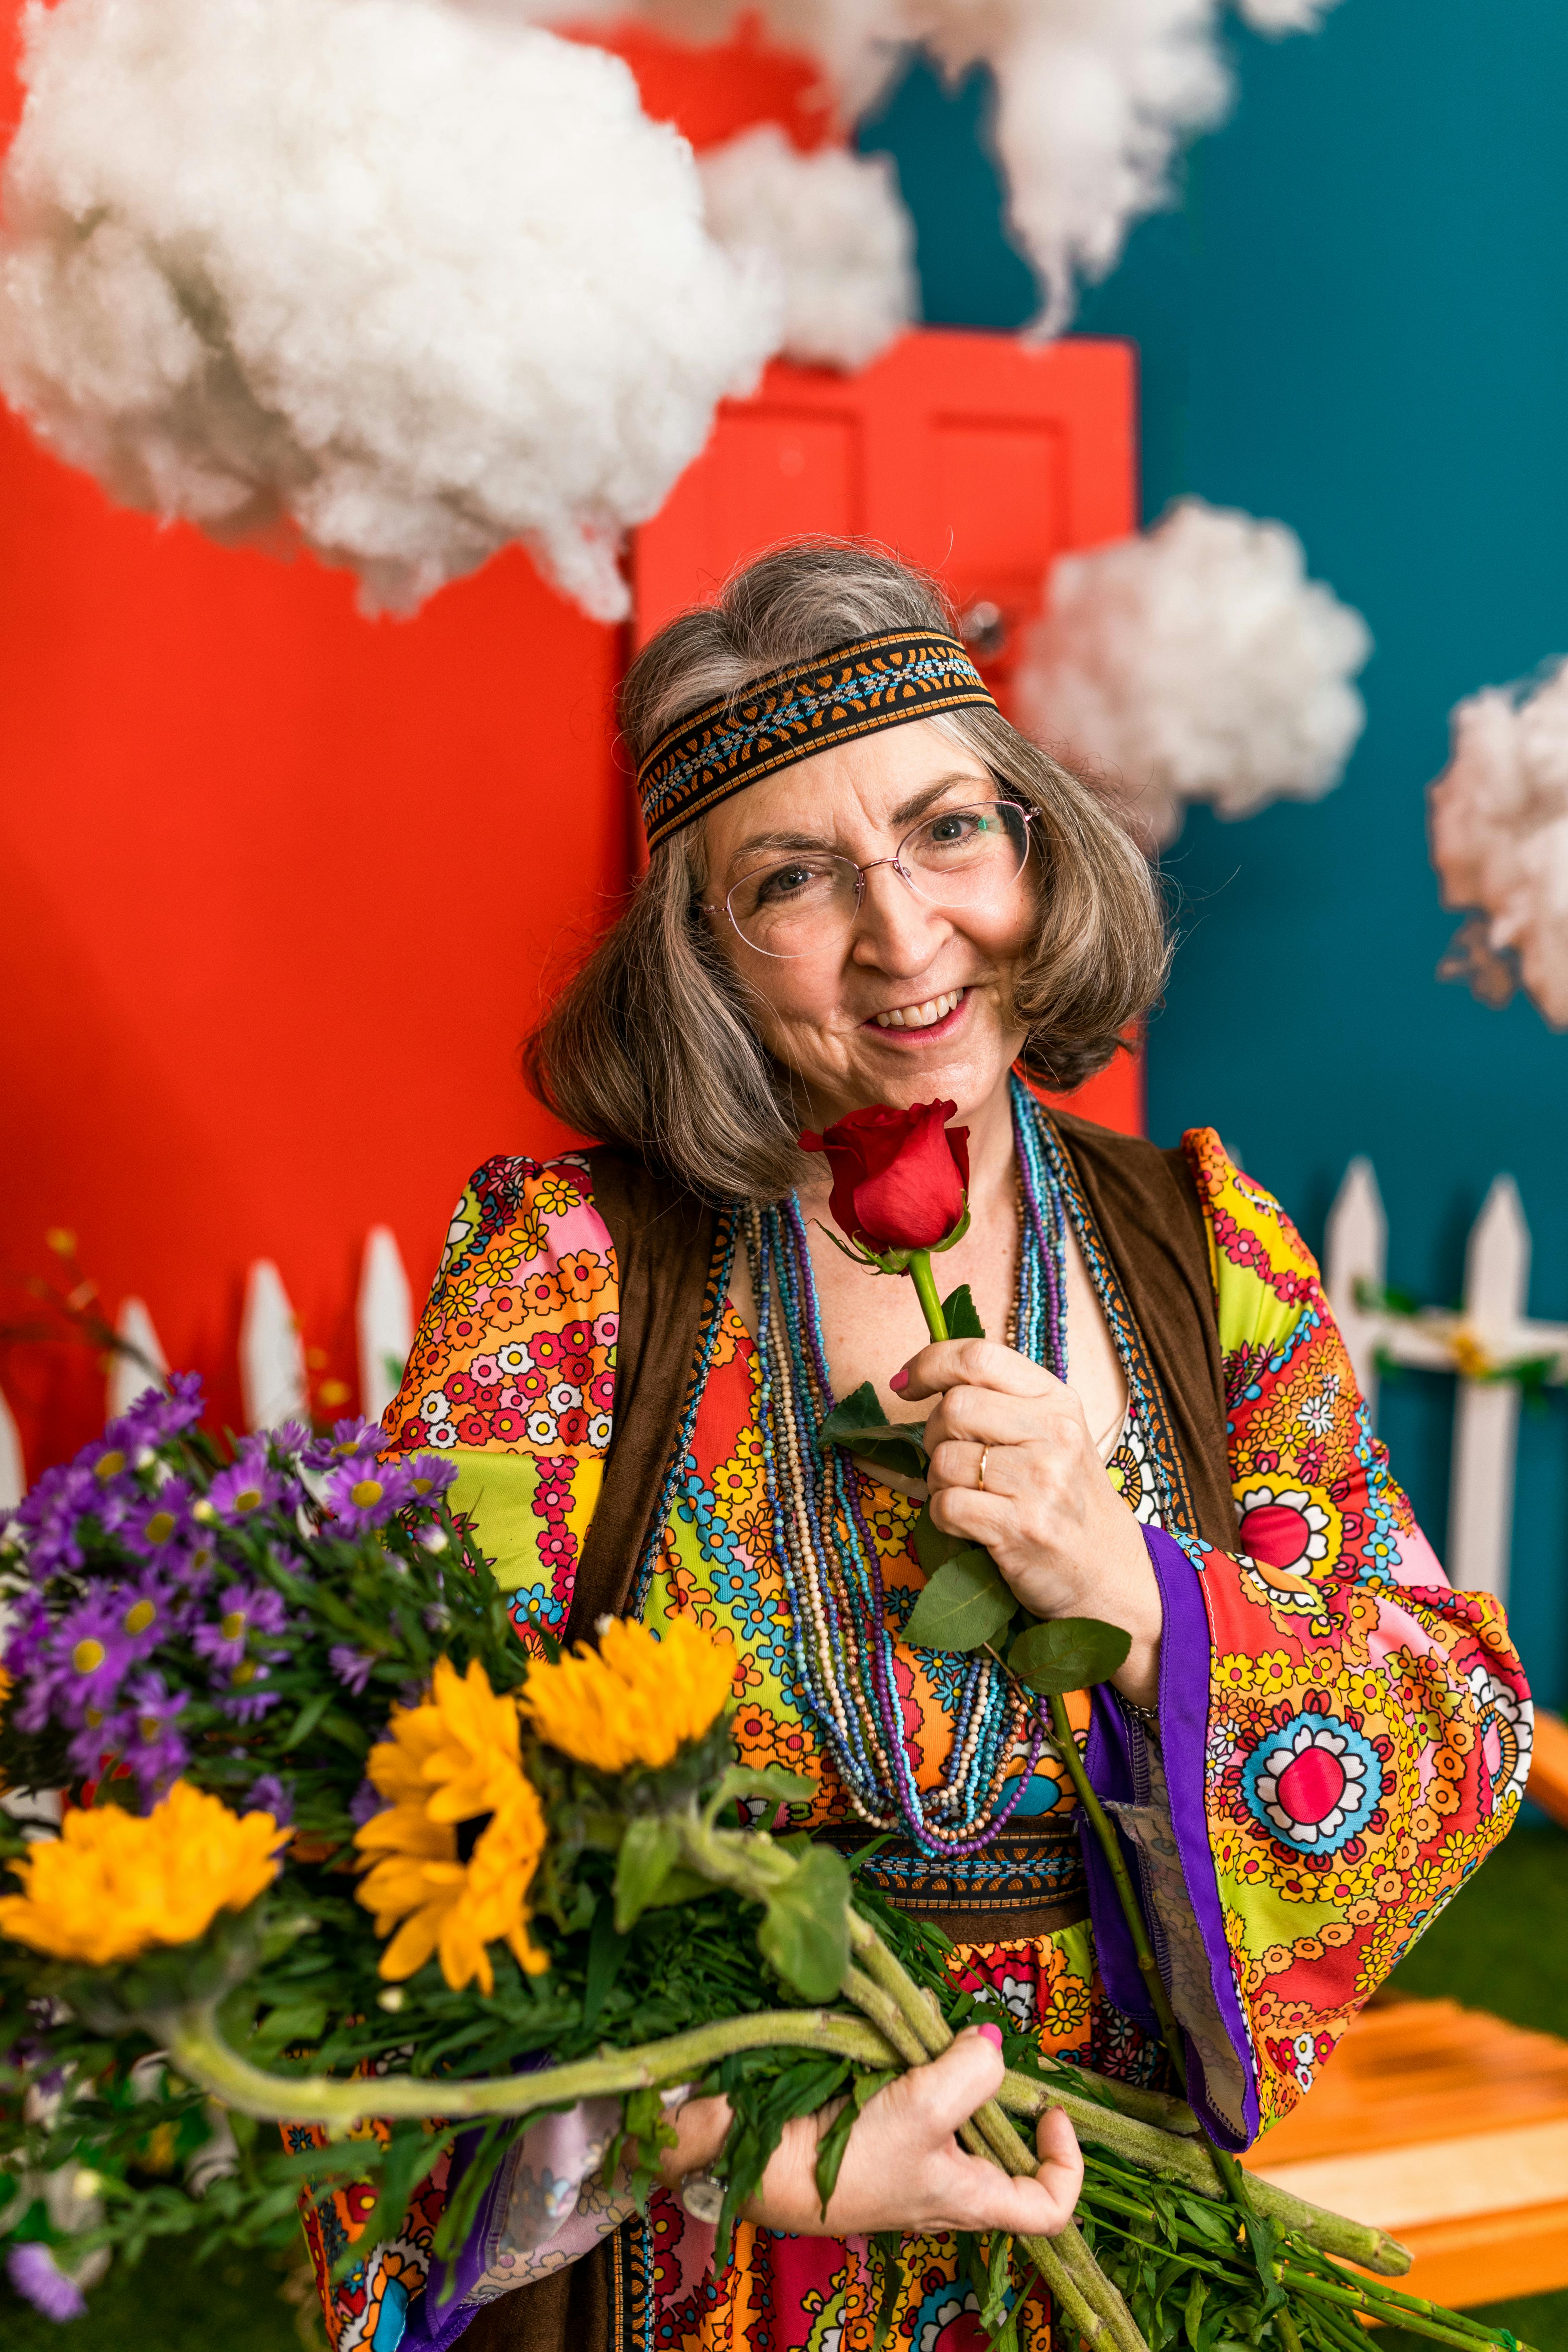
(909,1027)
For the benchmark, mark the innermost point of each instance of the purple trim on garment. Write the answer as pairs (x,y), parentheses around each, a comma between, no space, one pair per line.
(1185,1681)
(441,2314)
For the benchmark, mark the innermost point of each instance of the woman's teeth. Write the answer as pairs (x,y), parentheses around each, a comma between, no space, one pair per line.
(920,1017)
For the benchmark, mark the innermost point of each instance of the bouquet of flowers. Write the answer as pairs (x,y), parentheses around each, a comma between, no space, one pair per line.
(328,1843)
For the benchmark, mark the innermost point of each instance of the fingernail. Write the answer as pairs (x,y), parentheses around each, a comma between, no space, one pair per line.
(992,2033)
(900,1380)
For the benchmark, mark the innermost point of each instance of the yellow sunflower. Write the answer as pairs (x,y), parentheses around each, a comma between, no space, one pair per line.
(637,1699)
(454,1760)
(112,1885)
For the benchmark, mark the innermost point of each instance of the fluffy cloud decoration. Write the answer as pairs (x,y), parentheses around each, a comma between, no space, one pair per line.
(1196,662)
(834,225)
(408,278)
(1499,830)
(1093,97)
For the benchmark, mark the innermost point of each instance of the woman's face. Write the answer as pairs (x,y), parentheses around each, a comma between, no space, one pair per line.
(909,1003)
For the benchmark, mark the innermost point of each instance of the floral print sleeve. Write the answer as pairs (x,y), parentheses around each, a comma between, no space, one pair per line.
(1360,1739)
(513,1373)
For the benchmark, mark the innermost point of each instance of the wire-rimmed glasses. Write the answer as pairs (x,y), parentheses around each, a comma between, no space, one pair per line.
(800,902)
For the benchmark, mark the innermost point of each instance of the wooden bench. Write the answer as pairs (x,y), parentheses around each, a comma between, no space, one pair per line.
(1449,2128)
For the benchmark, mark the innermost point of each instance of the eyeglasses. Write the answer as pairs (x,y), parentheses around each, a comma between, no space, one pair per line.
(800,903)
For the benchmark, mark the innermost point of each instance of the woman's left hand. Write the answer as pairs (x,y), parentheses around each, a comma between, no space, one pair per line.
(1047,1514)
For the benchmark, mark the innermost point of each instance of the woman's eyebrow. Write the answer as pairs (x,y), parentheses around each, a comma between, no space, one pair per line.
(907,813)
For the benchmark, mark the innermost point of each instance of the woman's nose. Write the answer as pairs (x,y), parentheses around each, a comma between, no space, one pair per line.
(895,928)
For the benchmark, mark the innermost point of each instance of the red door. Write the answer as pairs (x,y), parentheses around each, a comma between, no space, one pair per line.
(976,456)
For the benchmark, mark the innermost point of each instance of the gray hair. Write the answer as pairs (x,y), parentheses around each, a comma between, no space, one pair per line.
(652,1044)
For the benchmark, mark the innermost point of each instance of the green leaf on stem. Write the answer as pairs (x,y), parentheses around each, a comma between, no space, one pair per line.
(858,1424)
(933,1548)
(835,2139)
(1068,1654)
(965,1603)
(606,1950)
(805,1933)
(648,1854)
(959,1313)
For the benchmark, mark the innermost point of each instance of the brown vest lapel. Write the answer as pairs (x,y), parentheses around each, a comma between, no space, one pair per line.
(1145,1207)
(664,1239)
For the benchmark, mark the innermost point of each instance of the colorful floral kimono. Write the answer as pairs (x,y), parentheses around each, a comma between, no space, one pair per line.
(1340,1738)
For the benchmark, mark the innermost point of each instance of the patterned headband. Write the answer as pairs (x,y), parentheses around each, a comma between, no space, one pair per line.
(797,712)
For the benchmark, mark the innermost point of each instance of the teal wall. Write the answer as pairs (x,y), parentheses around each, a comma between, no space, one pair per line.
(1357,323)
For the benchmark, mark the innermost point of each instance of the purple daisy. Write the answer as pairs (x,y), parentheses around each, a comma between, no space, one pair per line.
(157,1525)
(351,1666)
(349,1437)
(430,1475)
(362,1493)
(158,1415)
(50,1517)
(84,1662)
(270,1795)
(243,1609)
(248,1705)
(39,2280)
(145,1734)
(249,1484)
(365,1803)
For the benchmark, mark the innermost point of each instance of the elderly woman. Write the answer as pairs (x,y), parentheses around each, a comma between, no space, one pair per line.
(865,888)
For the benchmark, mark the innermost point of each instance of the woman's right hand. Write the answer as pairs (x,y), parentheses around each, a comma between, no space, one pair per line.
(903,2168)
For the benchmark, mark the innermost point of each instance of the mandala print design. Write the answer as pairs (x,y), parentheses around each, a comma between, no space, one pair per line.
(1315,1782)
(1132,1471)
(1507,1733)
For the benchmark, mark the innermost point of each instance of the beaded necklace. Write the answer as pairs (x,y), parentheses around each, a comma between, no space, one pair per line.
(843,1650)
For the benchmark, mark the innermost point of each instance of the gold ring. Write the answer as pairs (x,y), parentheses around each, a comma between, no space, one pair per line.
(980,1481)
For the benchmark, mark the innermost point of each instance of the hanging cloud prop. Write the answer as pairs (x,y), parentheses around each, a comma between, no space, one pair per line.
(1093,97)
(412,280)
(1197,663)
(1498,820)
(835,227)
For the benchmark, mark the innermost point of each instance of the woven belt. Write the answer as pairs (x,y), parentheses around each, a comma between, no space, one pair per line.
(1029,1882)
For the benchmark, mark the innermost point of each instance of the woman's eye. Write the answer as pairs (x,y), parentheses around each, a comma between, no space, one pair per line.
(784,881)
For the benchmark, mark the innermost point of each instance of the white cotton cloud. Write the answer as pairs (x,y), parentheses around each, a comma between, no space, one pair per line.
(1285,15)
(412,279)
(1196,662)
(1498,822)
(1094,98)
(835,227)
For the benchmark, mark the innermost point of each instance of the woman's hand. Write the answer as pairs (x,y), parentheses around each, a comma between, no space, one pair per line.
(1048,1515)
(903,2168)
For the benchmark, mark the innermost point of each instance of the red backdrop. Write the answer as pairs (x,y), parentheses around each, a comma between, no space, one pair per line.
(283,886)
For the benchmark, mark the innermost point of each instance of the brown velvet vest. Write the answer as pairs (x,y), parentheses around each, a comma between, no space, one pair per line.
(1145,1206)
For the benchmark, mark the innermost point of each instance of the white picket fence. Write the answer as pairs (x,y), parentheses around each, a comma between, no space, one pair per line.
(272,1369)
(1490,1329)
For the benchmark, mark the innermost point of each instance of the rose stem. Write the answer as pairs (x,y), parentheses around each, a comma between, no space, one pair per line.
(924,1281)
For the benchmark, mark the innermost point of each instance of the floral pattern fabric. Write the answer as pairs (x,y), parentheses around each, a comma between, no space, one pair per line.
(1360,1732)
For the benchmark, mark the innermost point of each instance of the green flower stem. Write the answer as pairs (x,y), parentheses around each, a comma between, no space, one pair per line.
(1172,2158)
(924,1282)
(198,2051)
(1421,2317)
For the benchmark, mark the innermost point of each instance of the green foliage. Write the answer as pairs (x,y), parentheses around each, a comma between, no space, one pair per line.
(964,1605)
(805,1933)
(959,1313)
(1067,1654)
(858,1425)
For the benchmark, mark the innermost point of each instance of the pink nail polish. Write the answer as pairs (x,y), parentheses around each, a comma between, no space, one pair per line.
(992,2033)
(901,1381)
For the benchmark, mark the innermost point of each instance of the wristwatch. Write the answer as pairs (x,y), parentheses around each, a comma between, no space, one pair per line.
(703,2194)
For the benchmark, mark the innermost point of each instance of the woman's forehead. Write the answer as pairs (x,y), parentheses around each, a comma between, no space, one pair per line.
(885,781)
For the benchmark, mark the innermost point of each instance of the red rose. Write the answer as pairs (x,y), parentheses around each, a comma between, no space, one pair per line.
(900,1177)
